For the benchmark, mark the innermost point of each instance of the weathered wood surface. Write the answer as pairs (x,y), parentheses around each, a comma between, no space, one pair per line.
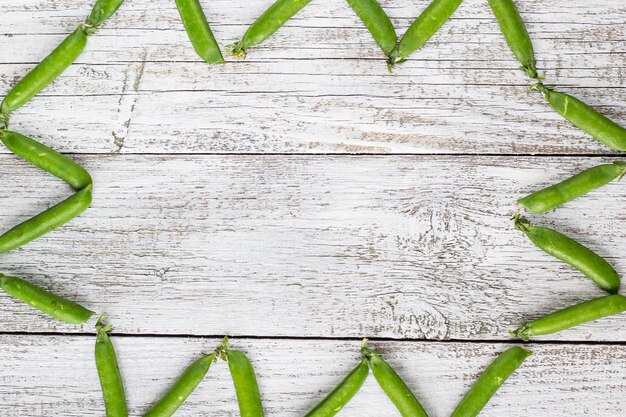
(396,246)
(318,85)
(316,246)
(557,380)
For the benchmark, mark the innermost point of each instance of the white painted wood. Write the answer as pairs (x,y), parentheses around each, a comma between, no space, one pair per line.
(315,246)
(56,376)
(318,85)
(397,246)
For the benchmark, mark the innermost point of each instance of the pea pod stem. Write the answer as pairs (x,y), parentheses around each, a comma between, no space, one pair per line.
(377,22)
(572,253)
(199,31)
(343,393)
(572,316)
(585,117)
(423,28)
(244,379)
(572,188)
(46,71)
(393,385)
(60,308)
(516,35)
(46,221)
(490,381)
(47,159)
(4,121)
(267,24)
(109,373)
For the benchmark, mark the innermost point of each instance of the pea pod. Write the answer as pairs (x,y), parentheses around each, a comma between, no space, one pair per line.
(109,373)
(488,383)
(377,22)
(269,22)
(395,388)
(247,389)
(182,388)
(572,316)
(102,10)
(515,33)
(342,394)
(46,71)
(53,305)
(46,221)
(47,159)
(580,184)
(585,118)
(424,27)
(198,30)
(572,253)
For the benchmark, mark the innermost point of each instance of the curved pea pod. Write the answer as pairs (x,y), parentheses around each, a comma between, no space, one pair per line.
(102,10)
(198,30)
(269,22)
(572,316)
(377,23)
(46,221)
(46,71)
(247,389)
(395,388)
(53,305)
(572,253)
(182,388)
(342,394)
(572,188)
(47,159)
(109,373)
(586,118)
(488,383)
(515,33)
(425,26)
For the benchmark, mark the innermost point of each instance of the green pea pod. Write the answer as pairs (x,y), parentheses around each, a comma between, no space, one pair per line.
(586,118)
(102,10)
(572,253)
(247,389)
(515,33)
(572,188)
(269,22)
(109,373)
(488,383)
(47,159)
(46,221)
(425,26)
(182,388)
(342,394)
(395,388)
(377,22)
(53,305)
(46,71)
(198,30)
(572,316)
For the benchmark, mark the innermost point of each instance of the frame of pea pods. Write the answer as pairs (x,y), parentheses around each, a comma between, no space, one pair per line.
(396,51)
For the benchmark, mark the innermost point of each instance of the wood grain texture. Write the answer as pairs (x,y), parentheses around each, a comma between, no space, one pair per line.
(396,246)
(310,246)
(318,86)
(557,380)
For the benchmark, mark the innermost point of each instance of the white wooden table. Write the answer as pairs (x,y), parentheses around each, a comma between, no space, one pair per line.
(304,198)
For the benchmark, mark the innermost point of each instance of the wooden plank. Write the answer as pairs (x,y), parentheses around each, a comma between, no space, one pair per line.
(397,246)
(56,376)
(319,85)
